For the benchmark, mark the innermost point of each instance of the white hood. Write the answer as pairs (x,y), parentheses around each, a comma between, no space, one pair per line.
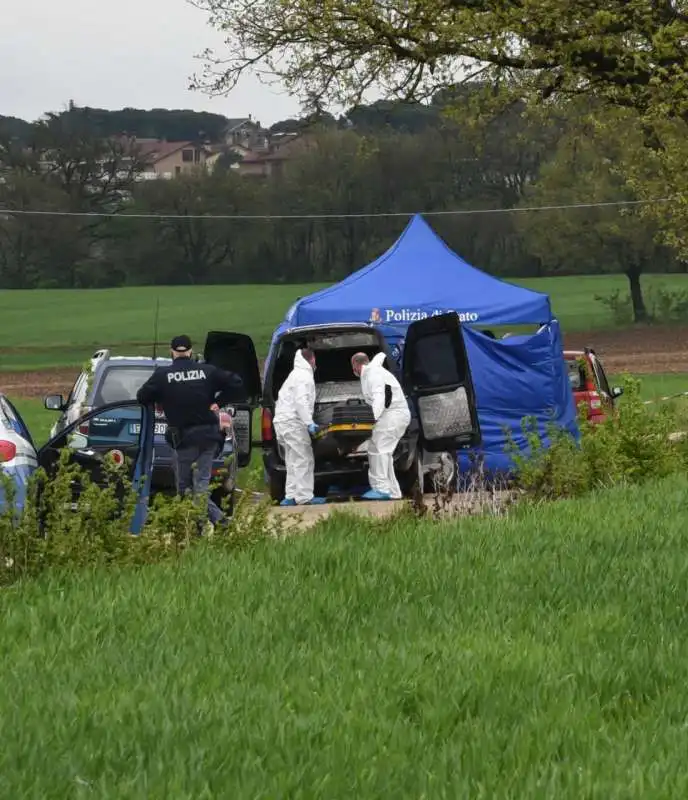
(301,363)
(374,378)
(296,399)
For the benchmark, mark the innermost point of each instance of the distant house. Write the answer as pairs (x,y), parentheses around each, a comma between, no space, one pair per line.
(164,159)
(283,147)
(239,151)
(246,133)
(246,148)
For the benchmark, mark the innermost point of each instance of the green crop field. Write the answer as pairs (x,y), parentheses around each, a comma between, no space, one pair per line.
(538,656)
(61,328)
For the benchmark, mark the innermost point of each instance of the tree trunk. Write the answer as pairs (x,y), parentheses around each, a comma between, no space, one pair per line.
(637,300)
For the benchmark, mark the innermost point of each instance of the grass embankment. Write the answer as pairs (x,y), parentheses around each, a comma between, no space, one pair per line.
(538,656)
(63,327)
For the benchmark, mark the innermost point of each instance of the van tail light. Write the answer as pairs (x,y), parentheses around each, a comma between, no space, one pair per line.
(8,450)
(266,425)
(594,401)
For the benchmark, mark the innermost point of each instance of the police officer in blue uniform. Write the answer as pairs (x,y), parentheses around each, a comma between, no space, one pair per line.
(186,389)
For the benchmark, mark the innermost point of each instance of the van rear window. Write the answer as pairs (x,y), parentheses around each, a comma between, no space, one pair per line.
(338,341)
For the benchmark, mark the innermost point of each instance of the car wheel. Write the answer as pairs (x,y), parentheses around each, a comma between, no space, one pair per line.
(277,483)
(444,479)
(413,479)
(228,506)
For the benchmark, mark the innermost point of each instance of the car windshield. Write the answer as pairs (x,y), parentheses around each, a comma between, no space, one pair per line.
(576,376)
(120,383)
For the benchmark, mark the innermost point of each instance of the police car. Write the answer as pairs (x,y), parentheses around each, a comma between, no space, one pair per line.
(101,423)
(115,379)
(20,458)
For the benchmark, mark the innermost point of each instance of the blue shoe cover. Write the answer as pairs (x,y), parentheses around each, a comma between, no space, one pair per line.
(317,501)
(288,502)
(373,494)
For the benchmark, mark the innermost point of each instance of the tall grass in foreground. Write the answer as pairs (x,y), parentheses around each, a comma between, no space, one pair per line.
(539,656)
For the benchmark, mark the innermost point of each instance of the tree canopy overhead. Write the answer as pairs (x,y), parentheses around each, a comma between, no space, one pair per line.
(631,53)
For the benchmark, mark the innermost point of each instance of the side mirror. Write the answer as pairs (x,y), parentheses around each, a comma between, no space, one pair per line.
(54,402)
(617,391)
(77,441)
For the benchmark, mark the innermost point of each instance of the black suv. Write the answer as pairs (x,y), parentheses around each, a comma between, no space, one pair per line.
(116,379)
(434,374)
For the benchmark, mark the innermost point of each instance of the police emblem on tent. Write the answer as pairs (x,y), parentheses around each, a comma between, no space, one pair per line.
(375,315)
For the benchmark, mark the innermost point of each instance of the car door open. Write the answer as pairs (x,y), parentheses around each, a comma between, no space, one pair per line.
(92,441)
(236,353)
(437,380)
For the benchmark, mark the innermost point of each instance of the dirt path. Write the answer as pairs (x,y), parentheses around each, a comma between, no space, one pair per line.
(644,350)
(462,505)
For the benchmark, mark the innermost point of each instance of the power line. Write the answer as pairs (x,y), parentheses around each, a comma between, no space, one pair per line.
(270,217)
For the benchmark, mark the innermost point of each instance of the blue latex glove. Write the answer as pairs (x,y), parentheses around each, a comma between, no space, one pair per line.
(313,429)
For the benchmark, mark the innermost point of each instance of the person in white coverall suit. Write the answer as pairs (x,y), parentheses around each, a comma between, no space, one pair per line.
(382,391)
(294,426)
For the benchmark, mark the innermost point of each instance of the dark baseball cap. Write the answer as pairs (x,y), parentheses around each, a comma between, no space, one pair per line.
(180,344)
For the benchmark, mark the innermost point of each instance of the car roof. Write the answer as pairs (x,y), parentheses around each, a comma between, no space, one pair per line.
(134,361)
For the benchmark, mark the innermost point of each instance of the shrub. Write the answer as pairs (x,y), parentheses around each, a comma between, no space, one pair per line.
(633,445)
(619,304)
(57,529)
(663,305)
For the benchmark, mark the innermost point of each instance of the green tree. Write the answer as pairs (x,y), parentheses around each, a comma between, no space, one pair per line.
(584,170)
(157,123)
(39,251)
(629,52)
(623,53)
(181,247)
(62,166)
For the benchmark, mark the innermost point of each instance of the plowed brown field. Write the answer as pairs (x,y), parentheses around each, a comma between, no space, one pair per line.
(646,350)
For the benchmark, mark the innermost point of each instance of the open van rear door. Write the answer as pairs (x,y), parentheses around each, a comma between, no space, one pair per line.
(235,352)
(437,380)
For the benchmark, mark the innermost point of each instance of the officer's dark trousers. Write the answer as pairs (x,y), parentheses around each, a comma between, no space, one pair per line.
(193,465)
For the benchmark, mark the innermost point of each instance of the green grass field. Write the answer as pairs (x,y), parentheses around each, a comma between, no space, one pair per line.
(61,328)
(539,656)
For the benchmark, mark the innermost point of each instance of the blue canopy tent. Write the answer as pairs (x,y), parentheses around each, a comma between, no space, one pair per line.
(517,377)
(419,274)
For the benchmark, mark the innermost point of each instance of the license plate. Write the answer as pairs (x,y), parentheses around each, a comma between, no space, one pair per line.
(160,428)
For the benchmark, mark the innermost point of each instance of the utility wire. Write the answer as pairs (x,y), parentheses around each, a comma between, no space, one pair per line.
(269,217)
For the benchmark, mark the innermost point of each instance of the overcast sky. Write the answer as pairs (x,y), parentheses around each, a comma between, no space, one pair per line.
(116,53)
